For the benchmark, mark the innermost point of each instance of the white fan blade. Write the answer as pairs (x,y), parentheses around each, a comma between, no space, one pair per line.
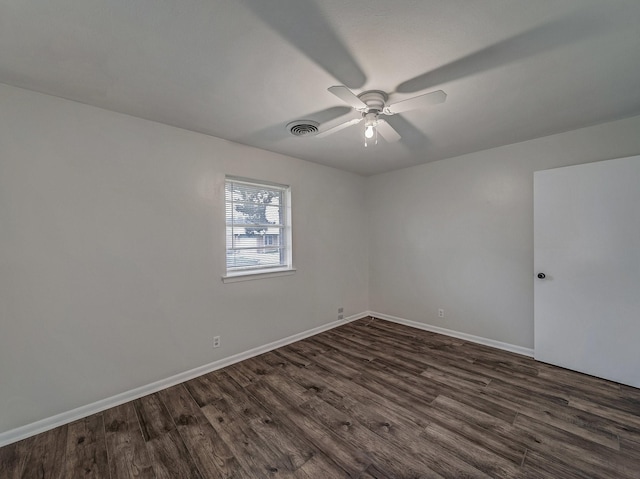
(339,127)
(387,131)
(347,96)
(416,102)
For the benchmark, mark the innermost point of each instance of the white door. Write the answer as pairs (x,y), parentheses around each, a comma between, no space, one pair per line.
(587,245)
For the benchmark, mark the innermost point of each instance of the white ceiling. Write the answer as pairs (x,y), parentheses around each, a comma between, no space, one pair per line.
(242,69)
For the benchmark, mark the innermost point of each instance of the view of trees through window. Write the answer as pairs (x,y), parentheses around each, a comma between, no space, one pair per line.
(255,217)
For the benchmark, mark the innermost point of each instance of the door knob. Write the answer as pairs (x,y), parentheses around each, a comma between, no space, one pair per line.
(541,276)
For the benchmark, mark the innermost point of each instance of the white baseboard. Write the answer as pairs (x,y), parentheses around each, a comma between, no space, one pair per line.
(456,334)
(46,424)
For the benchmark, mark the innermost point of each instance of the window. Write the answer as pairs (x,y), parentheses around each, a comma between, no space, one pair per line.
(258,227)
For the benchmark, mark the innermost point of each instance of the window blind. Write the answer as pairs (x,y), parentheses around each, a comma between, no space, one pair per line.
(257,229)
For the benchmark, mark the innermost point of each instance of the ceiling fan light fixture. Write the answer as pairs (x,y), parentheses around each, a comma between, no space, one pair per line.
(370,130)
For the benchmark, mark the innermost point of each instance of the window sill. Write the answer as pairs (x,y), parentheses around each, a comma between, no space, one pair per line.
(251,275)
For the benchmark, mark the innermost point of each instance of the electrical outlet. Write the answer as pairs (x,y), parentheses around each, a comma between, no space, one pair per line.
(341,316)
(441,313)
(216,341)
(340,310)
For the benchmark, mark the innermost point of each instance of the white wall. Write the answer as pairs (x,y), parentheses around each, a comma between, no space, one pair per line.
(457,234)
(112,248)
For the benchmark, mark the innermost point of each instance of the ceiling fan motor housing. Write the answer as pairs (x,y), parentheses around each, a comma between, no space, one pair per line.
(374,99)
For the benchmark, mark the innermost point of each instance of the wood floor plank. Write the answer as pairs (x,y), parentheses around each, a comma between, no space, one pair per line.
(204,389)
(529,391)
(422,392)
(352,337)
(47,458)
(383,341)
(582,454)
(153,416)
(171,458)
(352,398)
(370,399)
(86,452)
(422,389)
(344,346)
(247,371)
(373,472)
(13,458)
(524,372)
(352,461)
(570,423)
(386,422)
(335,390)
(500,409)
(537,382)
(414,460)
(526,437)
(272,360)
(394,426)
(345,366)
(300,373)
(622,417)
(267,425)
(515,381)
(389,330)
(126,450)
(446,364)
(469,386)
(295,392)
(630,449)
(450,361)
(294,357)
(477,426)
(556,412)
(398,336)
(628,392)
(394,461)
(542,464)
(469,451)
(477,352)
(210,453)
(253,454)
(306,348)
(320,466)
(584,382)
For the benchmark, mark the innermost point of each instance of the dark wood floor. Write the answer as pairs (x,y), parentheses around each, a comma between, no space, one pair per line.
(370,399)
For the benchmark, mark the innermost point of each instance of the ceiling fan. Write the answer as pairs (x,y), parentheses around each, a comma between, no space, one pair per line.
(372,104)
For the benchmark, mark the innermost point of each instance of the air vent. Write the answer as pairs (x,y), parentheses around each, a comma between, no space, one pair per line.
(303,128)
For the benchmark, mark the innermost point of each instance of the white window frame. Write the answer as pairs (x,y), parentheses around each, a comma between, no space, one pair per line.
(285,267)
